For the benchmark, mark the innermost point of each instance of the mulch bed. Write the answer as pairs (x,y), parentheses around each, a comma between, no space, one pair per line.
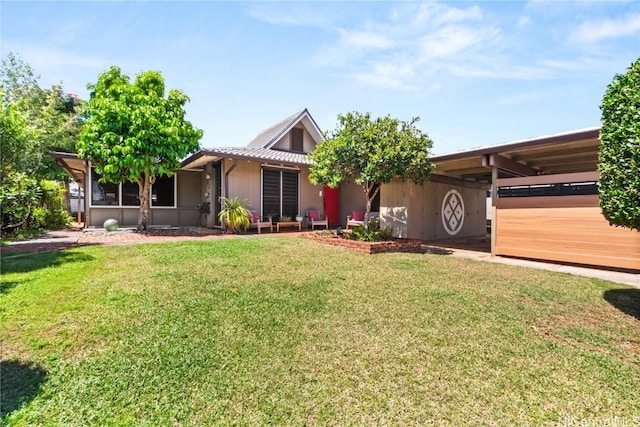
(395,245)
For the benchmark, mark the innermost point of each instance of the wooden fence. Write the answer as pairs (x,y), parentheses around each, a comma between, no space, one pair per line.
(566,228)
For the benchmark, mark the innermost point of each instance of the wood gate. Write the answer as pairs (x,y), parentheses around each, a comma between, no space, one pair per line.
(557,218)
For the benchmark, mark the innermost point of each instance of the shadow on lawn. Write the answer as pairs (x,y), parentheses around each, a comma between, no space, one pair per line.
(20,382)
(625,300)
(32,262)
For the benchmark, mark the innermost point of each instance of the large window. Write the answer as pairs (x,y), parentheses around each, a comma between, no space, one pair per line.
(280,189)
(163,192)
(104,194)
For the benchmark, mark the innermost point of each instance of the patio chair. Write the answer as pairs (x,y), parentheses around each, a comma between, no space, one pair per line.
(356,219)
(316,219)
(260,222)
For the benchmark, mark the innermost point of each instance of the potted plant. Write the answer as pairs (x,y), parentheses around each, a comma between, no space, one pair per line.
(234,216)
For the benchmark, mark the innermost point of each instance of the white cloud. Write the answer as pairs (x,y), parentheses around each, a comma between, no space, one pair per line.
(499,71)
(524,21)
(365,39)
(389,75)
(290,14)
(439,14)
(594,31)
(454,39)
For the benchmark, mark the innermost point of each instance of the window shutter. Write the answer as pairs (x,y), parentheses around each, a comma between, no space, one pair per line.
(271,193)
(280,193)
(297,143)
(290,193)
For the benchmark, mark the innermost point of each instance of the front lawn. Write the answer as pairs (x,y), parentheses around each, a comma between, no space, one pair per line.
(285,331)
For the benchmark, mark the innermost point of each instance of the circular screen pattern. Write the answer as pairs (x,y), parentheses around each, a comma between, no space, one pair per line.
(452,212)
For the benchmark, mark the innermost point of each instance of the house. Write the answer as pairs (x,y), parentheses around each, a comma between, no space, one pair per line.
(544,194)
(270,173)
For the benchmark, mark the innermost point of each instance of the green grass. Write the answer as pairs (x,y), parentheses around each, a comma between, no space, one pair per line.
(287,331)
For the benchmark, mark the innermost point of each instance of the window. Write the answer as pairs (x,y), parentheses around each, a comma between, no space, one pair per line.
(103,194)
(163,192)
(280,189)
(130,194)
(297,140)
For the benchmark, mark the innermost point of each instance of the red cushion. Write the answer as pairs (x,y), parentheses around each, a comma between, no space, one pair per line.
(314,215)
(357,216)
(255,216)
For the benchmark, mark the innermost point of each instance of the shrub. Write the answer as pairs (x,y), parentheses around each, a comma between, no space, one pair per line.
(19,195)
(619,158)
(27,203)
(235,215)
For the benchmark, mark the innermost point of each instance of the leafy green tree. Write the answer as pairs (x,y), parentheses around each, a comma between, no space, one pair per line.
(619,158)
(34,122)
(134,133)
(370,152)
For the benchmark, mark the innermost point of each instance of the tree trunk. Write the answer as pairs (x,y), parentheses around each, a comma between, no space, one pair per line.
(144,187)
(369,195)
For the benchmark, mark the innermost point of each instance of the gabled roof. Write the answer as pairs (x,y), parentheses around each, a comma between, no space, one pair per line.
(268,137)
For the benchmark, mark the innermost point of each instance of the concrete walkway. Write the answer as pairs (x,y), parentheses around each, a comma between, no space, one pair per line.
(617,276)
(73,237)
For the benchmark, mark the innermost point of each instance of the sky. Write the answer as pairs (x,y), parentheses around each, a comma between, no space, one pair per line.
(477,73)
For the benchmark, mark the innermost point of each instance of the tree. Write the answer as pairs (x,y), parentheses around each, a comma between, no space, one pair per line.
(371,152)
(619,158)
(34,122)
(134,133)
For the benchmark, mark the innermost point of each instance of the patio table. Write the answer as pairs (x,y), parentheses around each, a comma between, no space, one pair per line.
(288,224)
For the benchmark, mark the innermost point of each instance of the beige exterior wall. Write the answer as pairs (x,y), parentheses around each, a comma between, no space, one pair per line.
(414,211)
(244,182)
(310,197)
(284,143)
(351,199)
(309,144)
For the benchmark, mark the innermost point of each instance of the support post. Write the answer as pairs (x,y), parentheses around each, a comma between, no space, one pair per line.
(494,209)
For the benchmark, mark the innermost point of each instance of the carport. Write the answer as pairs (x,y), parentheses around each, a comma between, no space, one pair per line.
(544,200)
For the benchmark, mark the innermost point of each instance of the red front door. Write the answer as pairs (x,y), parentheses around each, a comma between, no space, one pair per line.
(332,204)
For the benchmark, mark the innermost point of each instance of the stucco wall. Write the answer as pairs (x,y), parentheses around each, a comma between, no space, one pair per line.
(415,211)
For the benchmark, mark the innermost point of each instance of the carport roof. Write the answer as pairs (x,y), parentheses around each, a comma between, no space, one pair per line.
(72,164)
(574,151)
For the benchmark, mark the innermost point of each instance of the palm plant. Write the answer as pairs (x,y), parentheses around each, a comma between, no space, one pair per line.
(234,216)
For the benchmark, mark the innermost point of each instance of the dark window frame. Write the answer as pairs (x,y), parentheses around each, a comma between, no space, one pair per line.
(280,190)
(120,200)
